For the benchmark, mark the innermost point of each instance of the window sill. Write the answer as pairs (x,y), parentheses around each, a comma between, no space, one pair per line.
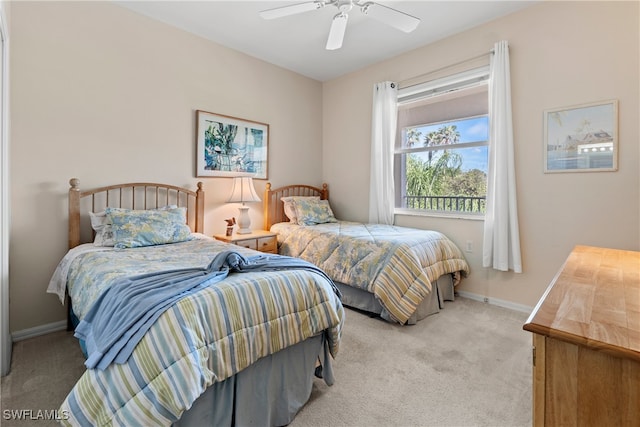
(439,214)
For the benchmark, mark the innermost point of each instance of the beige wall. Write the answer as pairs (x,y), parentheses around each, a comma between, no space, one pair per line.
(105,95)
(562,54)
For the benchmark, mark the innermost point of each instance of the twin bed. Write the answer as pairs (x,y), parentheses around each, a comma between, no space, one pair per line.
(403,274)
(237,340)
(181,329)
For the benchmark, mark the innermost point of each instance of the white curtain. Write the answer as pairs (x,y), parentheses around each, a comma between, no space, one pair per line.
(501,245)
(383,134)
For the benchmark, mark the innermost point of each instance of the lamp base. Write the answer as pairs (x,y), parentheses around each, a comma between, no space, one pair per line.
(244,222)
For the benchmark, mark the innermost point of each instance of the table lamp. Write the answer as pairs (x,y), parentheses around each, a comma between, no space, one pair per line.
(242,192)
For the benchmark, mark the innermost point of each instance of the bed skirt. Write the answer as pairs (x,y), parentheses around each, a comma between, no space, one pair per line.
(268,393)
(443,290)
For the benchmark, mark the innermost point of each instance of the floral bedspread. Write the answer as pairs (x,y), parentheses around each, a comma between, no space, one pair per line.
(397,264)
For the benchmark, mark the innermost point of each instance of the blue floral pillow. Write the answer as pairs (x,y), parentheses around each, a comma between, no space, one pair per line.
(290,206)
(313,211)
(137,228)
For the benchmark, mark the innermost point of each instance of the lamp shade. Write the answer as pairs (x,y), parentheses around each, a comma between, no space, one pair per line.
(243,191)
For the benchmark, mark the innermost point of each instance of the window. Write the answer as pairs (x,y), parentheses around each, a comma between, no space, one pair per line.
(441,153)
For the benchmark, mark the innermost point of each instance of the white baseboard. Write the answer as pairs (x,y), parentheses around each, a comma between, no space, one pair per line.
(495,301)
(39,330)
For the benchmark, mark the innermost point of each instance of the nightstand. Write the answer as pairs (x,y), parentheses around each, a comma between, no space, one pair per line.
(260,240)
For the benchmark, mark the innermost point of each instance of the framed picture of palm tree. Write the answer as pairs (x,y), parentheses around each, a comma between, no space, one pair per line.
(228,146)
(581,138)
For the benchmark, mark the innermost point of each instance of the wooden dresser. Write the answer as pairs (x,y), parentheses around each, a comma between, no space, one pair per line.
(586,342)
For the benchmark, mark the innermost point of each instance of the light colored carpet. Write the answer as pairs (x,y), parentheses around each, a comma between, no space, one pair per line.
(469,365)
(43,371)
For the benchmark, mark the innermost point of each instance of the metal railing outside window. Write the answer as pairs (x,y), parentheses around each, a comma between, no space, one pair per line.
(467,204)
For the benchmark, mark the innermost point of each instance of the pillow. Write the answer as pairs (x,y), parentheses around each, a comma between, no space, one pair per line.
(102,226)
(314,211)
(290,209)
(137,228)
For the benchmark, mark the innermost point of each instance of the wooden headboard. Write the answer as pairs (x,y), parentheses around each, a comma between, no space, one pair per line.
(273,206)
(139,195)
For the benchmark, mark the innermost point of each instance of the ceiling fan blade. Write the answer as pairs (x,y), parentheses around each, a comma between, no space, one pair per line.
(397,19)
(291,9)
(336,33)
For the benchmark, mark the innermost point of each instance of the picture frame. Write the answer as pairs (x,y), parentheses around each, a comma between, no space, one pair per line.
(229,146)
(581,138)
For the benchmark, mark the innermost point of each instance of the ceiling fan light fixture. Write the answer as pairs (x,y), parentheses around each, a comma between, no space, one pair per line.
(344,5)
(336,33)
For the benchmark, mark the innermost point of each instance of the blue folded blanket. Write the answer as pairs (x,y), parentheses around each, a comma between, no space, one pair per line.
(123,313)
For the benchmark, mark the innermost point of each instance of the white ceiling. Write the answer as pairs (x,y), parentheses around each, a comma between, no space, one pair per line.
(298,42)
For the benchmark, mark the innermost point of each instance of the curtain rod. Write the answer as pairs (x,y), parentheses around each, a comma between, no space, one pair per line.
(404,82)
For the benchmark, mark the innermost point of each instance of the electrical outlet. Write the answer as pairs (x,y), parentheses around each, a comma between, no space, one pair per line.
(469,246)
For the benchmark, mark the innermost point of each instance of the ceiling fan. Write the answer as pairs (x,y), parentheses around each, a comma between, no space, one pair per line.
(397,19)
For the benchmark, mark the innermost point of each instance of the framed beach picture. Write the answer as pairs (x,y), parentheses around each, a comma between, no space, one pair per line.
(229,146)
(581,138)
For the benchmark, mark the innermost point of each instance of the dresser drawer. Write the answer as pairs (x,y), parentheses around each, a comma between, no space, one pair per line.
(248,243)
(268,244)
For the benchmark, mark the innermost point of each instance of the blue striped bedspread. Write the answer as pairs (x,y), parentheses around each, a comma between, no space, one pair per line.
(397,264)
(206,337)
